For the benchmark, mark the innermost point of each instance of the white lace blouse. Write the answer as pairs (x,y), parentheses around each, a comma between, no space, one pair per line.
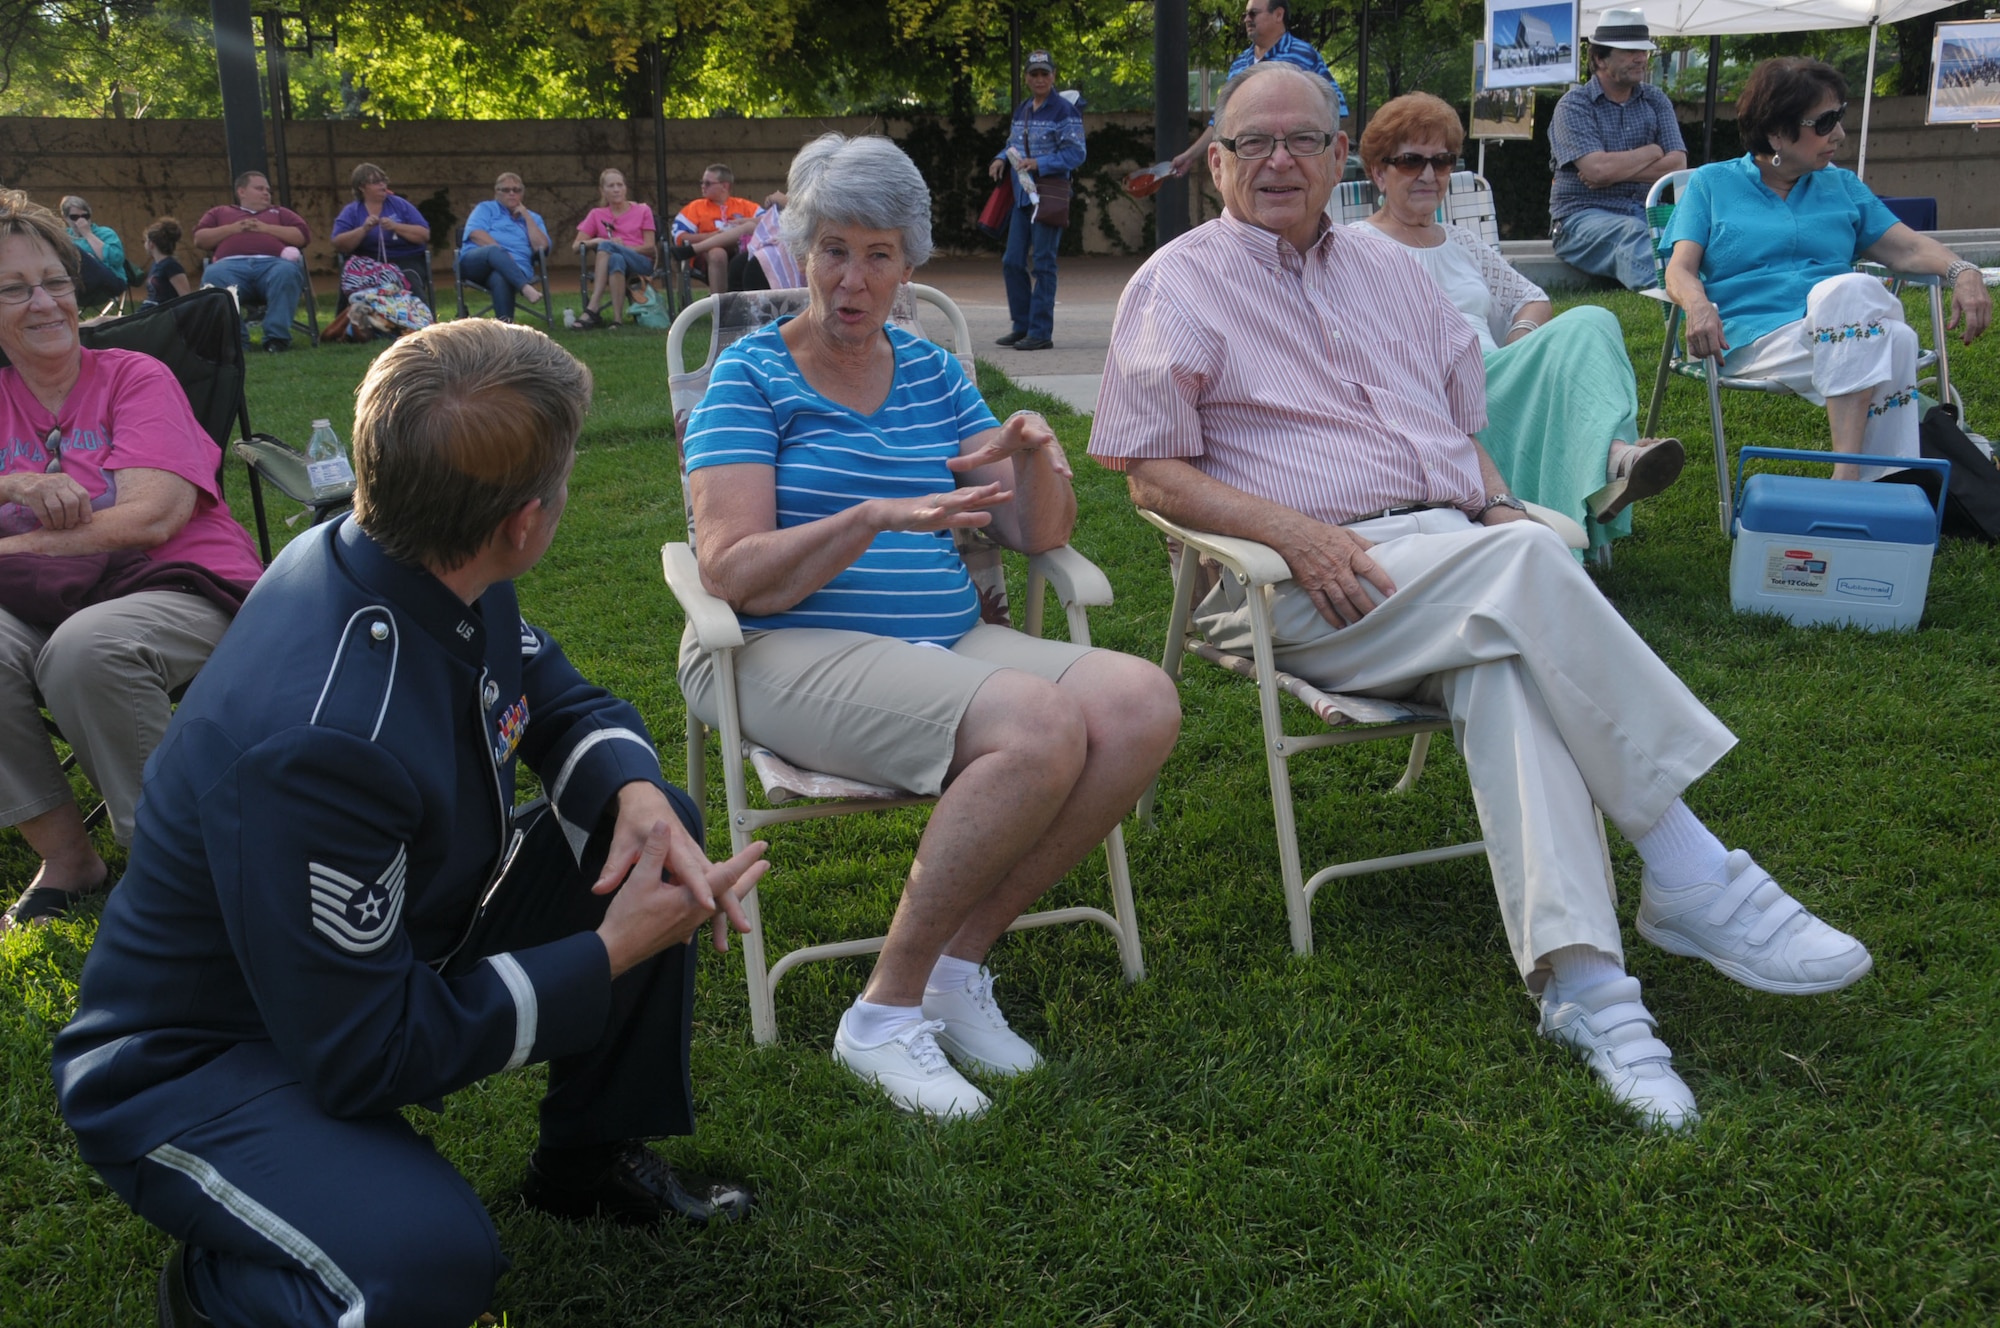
(1480,283)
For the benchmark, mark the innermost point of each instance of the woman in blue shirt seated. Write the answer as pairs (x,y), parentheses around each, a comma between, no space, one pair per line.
(829,463)
(1763,251)
(502,238)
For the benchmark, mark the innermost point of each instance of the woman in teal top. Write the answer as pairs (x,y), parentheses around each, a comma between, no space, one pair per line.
(1763,256)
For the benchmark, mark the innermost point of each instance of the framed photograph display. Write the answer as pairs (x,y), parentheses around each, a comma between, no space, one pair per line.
(1499,112)
(1965,73)
(1530,43)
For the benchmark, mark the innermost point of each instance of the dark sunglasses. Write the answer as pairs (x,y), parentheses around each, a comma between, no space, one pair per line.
(1824,124)
(1413,163)
(77,216)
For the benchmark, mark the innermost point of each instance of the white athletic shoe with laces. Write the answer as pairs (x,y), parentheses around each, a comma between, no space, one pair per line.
(975,1033)
(1747,926)
(913,1072)
(1612,1030)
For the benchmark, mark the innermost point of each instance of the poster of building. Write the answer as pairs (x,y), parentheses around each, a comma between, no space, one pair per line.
(1965,73)
(1530,43)
(1499,112)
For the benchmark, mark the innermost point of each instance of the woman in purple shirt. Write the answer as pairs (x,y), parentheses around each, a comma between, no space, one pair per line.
(381,225)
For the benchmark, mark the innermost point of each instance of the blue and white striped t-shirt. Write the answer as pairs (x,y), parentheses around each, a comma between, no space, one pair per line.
(759,410)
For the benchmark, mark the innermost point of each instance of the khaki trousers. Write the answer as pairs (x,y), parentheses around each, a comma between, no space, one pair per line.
(105,675)
(1555,704)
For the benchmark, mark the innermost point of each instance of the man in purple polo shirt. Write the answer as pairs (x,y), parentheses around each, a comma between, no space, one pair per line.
(1278,378)
(246,242)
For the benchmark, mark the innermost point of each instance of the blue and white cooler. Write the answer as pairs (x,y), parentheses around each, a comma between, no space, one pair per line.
(1834,551)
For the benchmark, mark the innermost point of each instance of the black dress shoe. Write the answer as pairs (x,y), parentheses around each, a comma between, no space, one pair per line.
(176,1307)
(1033,343)
(1010,339)
(276,347)
(634,1185)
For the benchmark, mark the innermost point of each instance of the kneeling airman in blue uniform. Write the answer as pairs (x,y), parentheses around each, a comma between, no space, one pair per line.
(333,909)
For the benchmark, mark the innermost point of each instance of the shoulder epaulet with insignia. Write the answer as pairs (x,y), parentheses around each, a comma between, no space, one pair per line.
(355,696)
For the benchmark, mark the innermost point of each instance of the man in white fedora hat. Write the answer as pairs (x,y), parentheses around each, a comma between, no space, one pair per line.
(1612,136)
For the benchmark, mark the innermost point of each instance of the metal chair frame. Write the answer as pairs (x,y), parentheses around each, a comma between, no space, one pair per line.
(1468,201)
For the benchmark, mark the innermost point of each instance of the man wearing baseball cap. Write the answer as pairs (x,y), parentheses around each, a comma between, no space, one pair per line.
(1045,144)
(1611,137)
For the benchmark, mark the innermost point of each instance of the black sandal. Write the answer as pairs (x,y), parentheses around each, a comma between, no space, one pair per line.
(41,903)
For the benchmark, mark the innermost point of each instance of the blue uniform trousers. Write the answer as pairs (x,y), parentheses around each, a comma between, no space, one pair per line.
(296,1217)
(1033,309)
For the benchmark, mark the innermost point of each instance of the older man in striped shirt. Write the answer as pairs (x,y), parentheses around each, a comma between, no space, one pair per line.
(1305,385)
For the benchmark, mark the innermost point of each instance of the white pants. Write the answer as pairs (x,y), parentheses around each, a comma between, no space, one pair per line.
(1852,339)
(1555,704)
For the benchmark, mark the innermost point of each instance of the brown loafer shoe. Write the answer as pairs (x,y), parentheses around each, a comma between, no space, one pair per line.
(635,1185)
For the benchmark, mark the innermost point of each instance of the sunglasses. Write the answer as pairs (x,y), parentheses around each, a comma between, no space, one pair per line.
(1824,125)
(508,189)
(77,216)
(1413,163)
(1256,147)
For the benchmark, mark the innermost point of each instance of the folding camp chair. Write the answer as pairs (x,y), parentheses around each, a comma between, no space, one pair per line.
(1468,202)
(1260,569)
(1674,359)
(544,309)
(1077,582)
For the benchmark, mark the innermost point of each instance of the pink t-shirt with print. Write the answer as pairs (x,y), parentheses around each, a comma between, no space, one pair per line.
(629,229)
(126,411)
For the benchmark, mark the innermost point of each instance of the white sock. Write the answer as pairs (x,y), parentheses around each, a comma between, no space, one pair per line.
(1578,968)
(870,1025)
(1680,851)
(949,975)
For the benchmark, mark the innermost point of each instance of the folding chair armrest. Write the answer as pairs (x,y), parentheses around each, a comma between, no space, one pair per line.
(1076,579)
(1656,293)
(1258,564)
(1571,531)
(283,467)
(715,625)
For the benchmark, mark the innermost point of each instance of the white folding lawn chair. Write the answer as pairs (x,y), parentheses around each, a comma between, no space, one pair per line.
(1468,201)
(1674,359)
(788,792)
(1346,719)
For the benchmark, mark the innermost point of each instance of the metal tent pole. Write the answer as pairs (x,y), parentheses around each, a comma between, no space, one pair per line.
(1708,100)
(1170,113)
(236,73)
(1868,101)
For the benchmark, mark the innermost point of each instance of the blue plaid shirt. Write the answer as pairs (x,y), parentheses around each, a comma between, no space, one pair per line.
(1587,121)
(1293,52)
(1052,134)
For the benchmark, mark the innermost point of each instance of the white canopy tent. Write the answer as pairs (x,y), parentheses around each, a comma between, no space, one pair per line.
(1723,18)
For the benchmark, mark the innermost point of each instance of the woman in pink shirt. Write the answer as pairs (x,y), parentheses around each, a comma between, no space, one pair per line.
(621,233)
(120,566)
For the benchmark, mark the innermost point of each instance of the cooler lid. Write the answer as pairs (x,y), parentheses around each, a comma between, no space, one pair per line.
(1837,509)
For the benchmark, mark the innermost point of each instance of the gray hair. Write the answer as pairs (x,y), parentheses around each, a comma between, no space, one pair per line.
(72,202)
(1269,69)
(866,181)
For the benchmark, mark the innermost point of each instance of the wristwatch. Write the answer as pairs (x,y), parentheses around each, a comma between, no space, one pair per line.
(1494,500)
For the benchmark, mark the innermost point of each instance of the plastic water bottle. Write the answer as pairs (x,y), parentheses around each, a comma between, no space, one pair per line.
(326,461)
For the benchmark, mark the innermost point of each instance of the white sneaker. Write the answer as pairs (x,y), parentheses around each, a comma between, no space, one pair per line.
(913,1072)
(974,1032)
(1752,930)
(1613,1031)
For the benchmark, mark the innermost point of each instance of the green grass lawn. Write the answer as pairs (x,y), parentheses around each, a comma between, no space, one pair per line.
(1371,1135)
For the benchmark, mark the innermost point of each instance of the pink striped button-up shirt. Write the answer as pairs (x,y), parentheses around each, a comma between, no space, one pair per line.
(1337,382)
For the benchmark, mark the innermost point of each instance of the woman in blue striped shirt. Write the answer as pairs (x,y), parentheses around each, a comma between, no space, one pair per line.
(830,461)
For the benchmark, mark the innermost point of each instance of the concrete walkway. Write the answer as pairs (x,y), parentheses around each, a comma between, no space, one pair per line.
(1087,290)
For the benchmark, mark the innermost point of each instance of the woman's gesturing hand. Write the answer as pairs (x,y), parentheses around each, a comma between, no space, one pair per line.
(1024,432)
(952,510)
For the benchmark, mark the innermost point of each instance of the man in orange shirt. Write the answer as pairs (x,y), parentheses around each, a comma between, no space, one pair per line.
(708,230)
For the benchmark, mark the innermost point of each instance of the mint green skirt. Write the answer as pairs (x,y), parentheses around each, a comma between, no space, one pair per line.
(1555,402)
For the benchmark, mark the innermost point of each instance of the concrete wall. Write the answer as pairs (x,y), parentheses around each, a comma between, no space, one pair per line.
(1955,164)
(134,171)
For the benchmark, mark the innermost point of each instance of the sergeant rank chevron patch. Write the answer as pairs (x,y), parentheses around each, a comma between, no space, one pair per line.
(354,915)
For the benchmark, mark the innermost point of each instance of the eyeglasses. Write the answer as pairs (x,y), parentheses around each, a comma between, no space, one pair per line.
(57,287)
(1413,163)
(1256,147)
(1252,15)
(1823,125)
(508,189)
(77,216)
(52,448)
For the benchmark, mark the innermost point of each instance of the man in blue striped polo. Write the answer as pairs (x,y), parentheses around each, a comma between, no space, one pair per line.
(1265,22)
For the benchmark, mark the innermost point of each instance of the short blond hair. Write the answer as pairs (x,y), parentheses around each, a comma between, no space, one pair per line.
(456,428)
(22,216)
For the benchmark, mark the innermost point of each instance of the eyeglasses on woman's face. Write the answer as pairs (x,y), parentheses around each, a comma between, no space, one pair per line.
(78,216)
(1413,163)
(1825,124)
(17,292)
(1256,147)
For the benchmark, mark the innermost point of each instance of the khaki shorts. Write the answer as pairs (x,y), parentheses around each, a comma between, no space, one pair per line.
(868,707)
